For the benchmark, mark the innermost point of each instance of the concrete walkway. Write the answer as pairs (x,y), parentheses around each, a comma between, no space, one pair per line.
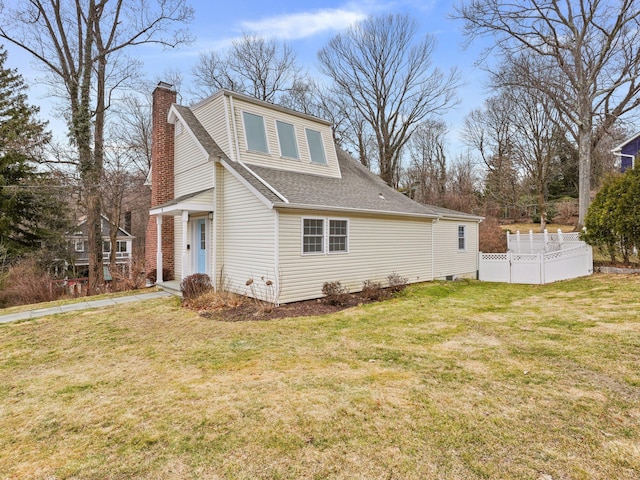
(72,307)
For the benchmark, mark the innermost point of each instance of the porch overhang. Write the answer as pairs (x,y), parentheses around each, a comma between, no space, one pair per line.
(179,208)
(197,202)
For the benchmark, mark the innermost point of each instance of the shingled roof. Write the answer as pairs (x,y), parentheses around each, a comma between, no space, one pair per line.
(357,190)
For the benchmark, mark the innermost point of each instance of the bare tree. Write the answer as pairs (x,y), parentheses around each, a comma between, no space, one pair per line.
(386,72)
(427,170)
(489,132)
(81,45)
(584,55)
(254,65)
(536,141)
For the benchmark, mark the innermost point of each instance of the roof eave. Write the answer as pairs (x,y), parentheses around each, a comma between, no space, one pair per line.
(304,206)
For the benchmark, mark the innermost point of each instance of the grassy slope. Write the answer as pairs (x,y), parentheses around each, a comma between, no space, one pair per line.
(454,380)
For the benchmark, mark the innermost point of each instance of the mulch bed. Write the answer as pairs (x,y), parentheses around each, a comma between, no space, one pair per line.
(250,310)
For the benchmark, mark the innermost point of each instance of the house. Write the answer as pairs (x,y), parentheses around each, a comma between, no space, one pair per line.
(79,251)
(627,151)
(257,196)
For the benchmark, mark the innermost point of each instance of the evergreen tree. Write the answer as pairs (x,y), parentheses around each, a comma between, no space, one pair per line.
(613,218)
(30,213)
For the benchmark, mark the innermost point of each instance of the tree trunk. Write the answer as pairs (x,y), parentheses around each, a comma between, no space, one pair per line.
(584,182)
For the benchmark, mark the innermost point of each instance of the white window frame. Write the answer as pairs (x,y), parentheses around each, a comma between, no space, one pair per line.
(346,242)
(324,152)
(302,235)
(246,133)
(104,243)
(326,221)
(78,245)
(122,242)
(463,229)
(295,139)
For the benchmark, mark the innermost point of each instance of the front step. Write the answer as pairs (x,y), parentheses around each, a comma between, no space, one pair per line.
(170,286)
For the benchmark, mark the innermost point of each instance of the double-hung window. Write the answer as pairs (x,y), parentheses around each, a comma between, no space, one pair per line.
(287,140)
(316,148)
(121,246)
(337,236)
(79,245)
(255,133)
(462,237)
(321,235)
(106,246)
(313,235)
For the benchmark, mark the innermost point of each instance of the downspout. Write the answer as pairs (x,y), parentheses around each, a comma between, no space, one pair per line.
(276,258)
(215,227)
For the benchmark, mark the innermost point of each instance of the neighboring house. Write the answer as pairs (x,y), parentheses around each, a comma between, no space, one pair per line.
(627,151)
(246,190)
(78,240)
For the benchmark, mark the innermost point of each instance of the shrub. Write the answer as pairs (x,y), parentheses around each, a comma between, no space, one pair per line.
(492,238)
(397,283)
(167,275)
(25,283)
(214,301)
(374,291)
(195,285)
(614,215)
(266,293)
(335,293)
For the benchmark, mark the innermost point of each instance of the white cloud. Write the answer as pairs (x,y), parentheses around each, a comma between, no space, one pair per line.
(306,24)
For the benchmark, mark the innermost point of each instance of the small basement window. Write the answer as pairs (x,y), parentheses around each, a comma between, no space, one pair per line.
(255,133)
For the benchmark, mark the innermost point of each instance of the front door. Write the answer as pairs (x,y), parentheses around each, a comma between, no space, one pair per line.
(201,246)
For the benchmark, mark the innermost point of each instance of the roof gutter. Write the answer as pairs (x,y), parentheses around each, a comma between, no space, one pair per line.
(302,206)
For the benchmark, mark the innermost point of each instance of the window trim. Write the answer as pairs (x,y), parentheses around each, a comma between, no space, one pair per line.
(463,229)
(104,244)
(246,136)
(295,139)
(324,152)
(302,236)
(325,235)
(346,240)
(122,242)
(78,242)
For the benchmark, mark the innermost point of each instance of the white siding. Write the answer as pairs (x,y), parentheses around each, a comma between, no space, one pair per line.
(273,158)
(193,172)
(448,260)
(212,116)
(248,238)
(378,246)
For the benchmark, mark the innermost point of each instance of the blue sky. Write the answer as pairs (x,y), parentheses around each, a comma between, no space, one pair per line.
(306,28)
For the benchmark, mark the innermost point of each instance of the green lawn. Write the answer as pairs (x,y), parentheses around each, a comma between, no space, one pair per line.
(459,380)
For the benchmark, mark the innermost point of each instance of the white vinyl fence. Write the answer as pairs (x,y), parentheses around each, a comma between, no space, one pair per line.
(538,258)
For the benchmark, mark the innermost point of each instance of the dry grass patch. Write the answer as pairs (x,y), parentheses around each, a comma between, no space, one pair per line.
(458,380)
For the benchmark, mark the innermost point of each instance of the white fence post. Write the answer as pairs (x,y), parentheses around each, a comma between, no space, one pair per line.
(546,240)
(508,240)
(518,241)
(560,238)
(531,240)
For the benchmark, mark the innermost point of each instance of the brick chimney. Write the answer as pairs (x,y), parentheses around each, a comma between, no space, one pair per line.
(162,147)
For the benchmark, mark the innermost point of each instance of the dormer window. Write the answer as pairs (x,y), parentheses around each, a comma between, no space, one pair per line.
(287,140)
(255,133)
(316,148)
